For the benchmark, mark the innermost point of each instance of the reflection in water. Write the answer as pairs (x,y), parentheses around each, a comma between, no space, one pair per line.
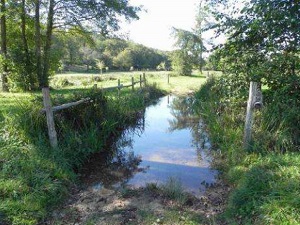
(185,118)
(168,141)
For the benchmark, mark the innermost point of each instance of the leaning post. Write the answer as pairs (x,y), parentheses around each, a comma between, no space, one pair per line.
(50,117)
(249,115)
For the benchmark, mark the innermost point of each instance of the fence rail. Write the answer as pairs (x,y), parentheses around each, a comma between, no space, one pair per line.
(49,109)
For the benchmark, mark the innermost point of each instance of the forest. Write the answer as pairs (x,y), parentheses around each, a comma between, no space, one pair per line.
(43,40)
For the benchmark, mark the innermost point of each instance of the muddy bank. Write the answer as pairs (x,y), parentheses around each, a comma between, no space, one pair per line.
(149,205)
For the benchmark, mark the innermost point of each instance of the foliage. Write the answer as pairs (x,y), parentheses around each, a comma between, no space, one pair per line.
(34,57)
(263,43)
(192,43)
(264,177)
(181,63)
(114,53)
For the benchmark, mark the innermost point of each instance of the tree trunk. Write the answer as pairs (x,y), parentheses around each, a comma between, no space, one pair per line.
(38,53)
(48,43)
(4,46)
(28,72)
(200,24)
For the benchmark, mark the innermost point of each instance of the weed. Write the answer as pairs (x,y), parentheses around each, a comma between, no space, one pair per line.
(174,190)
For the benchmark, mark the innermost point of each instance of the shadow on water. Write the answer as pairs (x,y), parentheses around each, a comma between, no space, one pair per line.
(168,140)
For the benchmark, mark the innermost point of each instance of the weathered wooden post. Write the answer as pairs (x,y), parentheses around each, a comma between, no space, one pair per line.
(132,82)
(119,87)
(253,102)
(50,118)
(141,81)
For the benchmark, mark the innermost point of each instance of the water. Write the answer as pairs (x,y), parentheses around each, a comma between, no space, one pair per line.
(169,143)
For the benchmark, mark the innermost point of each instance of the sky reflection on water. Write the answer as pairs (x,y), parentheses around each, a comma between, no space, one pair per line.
(169,141)
(168,147)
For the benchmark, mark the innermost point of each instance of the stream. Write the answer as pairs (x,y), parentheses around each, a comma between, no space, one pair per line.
(168,142)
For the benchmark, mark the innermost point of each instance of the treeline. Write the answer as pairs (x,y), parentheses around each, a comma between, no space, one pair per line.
(75,52)
(28,29)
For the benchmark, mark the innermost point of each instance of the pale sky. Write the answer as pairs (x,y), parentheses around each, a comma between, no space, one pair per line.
(153,29)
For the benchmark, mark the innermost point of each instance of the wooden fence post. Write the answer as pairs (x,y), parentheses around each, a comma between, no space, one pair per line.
(249,115)
(50,118)
(140,80)
(119,87)
(132,82)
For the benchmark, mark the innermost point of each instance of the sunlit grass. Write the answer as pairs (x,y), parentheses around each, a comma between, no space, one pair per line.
(177,84)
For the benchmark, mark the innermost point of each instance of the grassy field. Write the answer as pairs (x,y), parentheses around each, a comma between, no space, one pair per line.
(177,84)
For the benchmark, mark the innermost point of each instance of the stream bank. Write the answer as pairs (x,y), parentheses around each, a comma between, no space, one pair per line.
(157,173)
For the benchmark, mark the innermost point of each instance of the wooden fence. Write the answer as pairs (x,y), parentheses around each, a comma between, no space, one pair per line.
(49,109)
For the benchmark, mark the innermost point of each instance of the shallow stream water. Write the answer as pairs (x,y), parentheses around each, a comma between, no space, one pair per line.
(169,142)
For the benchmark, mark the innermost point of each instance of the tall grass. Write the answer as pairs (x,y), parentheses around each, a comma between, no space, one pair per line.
(265,178)
(33,177)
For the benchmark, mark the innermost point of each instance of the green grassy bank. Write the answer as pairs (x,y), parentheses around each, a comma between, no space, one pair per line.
(266,177)
(33,177)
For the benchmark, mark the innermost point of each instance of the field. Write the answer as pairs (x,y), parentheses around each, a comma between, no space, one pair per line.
(176,85)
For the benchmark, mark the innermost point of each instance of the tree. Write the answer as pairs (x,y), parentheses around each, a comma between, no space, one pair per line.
(263,41)
(124,59)
(4,46)
(91,14)
(192,42)
(191,45)
(101,65)
(38,53)
(203,23)
(181,63)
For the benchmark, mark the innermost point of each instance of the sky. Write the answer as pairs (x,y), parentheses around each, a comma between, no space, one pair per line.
(153,29)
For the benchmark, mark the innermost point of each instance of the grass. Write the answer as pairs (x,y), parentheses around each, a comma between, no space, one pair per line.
(173,189)
(265,181)
(178,84)
(33,177)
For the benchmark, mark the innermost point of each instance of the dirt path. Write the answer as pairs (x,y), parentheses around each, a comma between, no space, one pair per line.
(149,205)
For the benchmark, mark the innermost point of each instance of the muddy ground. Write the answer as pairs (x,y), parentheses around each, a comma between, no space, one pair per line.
(149,205)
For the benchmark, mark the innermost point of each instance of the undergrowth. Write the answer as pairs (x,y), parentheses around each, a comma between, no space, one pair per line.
(265,177)
(34,178)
